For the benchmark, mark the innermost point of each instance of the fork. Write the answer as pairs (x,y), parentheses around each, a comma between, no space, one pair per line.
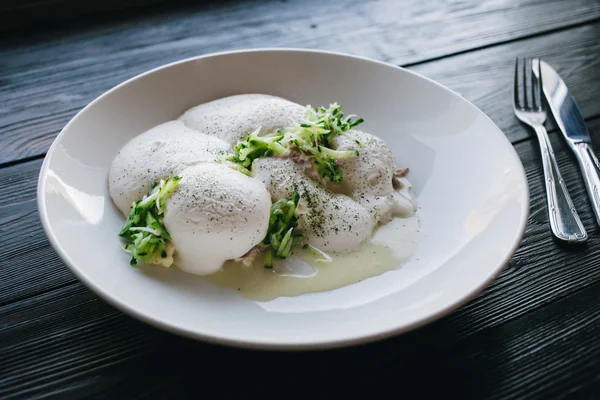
(529,109)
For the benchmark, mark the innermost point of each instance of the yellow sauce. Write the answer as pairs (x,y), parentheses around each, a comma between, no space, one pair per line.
(391,246)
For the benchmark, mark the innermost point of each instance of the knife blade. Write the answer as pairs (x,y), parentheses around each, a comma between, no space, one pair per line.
(571,123)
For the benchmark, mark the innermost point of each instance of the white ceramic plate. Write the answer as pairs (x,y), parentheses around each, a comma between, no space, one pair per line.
(469,182)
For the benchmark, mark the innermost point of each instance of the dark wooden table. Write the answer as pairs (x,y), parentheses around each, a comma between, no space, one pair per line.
(534,333)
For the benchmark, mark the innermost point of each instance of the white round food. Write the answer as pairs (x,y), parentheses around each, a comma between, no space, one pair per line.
(158,153)
(385,208)
(369,177)
(215,215)
(231,118)
(329,221)
(218,214)
(372,171)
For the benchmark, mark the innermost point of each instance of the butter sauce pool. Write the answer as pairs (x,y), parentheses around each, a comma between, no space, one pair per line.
(392,245)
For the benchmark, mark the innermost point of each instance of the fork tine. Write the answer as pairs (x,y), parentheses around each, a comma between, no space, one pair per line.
(538,92)
(526,102)
(516,101)
(535,87)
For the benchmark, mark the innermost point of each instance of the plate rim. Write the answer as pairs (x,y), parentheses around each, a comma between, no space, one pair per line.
(321,344)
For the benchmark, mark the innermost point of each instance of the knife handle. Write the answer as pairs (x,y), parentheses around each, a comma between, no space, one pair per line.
(564,220)
(589,167)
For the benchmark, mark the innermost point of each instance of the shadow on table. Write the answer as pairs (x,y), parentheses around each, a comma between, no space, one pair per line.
(19,17)
(425,362)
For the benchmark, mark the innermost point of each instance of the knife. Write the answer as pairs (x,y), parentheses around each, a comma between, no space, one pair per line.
(570,121)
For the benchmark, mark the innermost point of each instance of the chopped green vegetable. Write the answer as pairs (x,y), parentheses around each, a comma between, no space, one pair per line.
(253,147)
(331,120)
(281,236)
(311,136)
(144,233)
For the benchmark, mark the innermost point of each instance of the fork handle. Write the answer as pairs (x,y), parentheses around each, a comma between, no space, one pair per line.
(589,167)
(564,220)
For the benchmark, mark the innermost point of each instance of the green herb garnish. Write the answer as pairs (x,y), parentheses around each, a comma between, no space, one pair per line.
(281,237)
(311,137)
(145,235)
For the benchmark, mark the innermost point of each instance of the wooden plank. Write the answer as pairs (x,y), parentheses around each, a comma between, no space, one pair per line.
(540,272)
(30,265)
(48,77)
(485,77)
(29,13)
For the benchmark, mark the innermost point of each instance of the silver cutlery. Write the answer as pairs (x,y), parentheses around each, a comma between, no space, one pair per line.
(570,121)
(529,109)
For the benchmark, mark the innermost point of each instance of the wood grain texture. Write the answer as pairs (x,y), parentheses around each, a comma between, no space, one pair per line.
(28,13)
(47,77)
(532,333)
(485,77)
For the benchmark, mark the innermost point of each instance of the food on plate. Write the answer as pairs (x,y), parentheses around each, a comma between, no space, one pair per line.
(332,222)
(232,118)
(252,179)
(215,215)
(158,153)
